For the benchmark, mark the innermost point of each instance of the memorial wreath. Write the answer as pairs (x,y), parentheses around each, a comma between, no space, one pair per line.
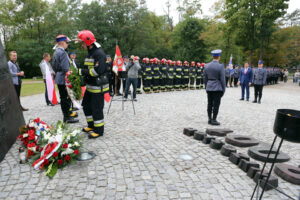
(50,148)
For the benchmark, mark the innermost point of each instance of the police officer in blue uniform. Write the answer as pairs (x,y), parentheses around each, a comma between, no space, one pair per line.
(214,80)
(259,80)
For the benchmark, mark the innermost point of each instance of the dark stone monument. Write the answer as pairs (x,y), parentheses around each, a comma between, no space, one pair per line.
(11,116)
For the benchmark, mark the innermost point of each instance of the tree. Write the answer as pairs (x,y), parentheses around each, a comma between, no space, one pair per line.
(187,42)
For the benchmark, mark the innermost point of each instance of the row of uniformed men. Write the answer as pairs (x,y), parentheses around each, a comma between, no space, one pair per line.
(167,75)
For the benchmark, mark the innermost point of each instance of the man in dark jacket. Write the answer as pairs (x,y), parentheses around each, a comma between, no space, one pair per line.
(214,80)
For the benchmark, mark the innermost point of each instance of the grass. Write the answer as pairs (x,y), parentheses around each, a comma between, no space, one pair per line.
(33,87)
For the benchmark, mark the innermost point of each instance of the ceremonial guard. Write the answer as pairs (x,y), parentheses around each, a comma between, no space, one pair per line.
(61,65)
(95,77)
(186,74)
(199,72)
(214,80)
(193,74)
(178,76)
(147,74)
(156,75)
(259,80)
(170,75)
(164,72)
(227,75)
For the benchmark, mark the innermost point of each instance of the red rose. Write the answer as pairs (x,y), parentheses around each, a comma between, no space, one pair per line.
(37,120)
(67,158)
(60,162)
(31,134)
(55,154)
(41,149)
(76,152)
(65,145)
(46,162)
(37,148)
(32,144)
(29,153)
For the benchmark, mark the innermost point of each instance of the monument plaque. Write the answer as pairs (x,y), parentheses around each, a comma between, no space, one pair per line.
(11,116)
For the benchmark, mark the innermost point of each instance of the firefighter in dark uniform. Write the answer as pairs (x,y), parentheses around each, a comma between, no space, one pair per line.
(185,77)
(199,75)
(140,75)
(170,76)
(95,77)
(215,85)
(109,67)
(175,73)
(163,71)
(193,75)
(202,74)
(259,80)
(178,76)
(156,75)
(147,74)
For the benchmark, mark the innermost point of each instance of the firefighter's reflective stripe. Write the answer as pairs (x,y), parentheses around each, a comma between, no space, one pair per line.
(148,69)
(98,123)
(93,72)
(97,89)
(89,62)
(148,78)
(89,118)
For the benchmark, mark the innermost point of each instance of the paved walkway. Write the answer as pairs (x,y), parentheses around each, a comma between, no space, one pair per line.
(139,156)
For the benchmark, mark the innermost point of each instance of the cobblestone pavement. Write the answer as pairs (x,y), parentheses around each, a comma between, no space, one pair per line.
(139,156)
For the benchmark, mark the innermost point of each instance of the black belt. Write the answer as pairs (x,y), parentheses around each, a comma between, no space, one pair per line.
(212,79)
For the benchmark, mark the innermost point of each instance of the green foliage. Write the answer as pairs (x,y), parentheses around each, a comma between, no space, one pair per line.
(243,28)
(186,40)
(75,81)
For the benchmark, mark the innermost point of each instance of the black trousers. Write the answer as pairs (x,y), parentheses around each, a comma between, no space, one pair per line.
(258,92)
(139,84)
(65,101)
(46,93)
(111,83)
(227,79)
(213,103)
(93,104)
(236,81)
(192,82)
(18,90)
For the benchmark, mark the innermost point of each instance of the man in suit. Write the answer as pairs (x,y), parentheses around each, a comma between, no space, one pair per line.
(214,80)
(16,74)
(245,81)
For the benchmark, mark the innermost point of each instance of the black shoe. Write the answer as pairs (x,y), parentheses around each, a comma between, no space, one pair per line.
(50,104)
(75,109)
(209,121)
(259,101)
(134,99)
(214,122)
(247,100)
(71,120)
(254,101)
(242,99)
(119,94)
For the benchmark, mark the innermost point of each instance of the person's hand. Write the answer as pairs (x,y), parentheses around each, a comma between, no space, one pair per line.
(21,73)
(239,83)
(249,84)
(53,74)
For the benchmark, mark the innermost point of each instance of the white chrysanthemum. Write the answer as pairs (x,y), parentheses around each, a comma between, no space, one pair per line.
(67,151)
(25,135)
(76,144)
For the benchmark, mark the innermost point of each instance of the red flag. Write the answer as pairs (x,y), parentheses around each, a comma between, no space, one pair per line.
(50,87)
(107,97)
(54,99)
(118,61)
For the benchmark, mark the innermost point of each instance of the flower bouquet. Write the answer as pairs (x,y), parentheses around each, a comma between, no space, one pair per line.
(73,83)
(50,148)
